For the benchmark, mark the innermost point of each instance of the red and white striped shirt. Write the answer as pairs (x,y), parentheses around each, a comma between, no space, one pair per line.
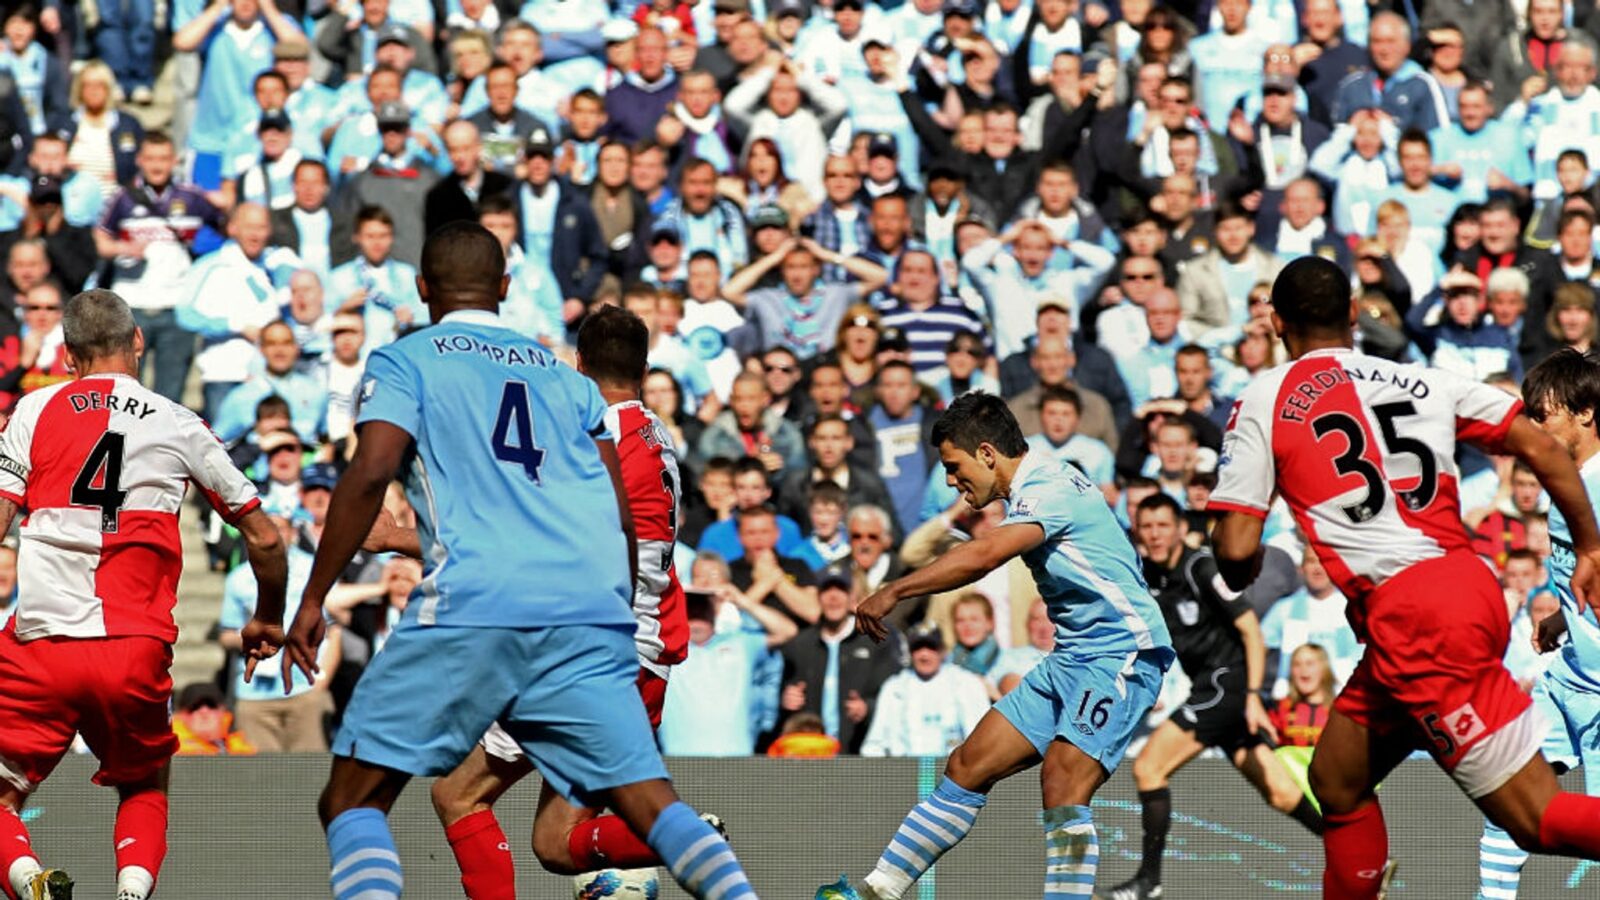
(100,466)
(650,477)
(1363,451)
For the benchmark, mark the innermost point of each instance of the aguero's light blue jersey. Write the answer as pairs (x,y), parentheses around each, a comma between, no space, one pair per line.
(1578,665)
(1087,571)
(515,509)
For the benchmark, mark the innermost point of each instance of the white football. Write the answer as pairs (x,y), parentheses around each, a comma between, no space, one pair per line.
(627,884)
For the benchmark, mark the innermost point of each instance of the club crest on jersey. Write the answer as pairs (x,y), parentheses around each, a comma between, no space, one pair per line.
(1024,506)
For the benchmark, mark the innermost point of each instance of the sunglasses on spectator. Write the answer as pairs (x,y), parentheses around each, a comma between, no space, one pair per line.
(866,536)
(42,307)
(1138,276)
(778,367)
(1279,58)
(968,350)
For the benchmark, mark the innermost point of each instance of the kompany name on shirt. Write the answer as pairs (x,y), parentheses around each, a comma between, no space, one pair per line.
(515,356)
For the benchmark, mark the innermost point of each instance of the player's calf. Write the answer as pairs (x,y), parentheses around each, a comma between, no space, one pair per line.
(141,840)
(695,852)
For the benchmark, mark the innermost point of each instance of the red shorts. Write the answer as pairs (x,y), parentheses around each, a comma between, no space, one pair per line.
(116,691)
(653,691)
(1432,673)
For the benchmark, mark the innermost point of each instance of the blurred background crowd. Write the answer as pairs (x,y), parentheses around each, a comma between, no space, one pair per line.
(835,216)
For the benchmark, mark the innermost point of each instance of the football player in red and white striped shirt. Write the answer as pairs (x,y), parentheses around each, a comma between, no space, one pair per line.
(99,466)
(1363,452)
(612,350)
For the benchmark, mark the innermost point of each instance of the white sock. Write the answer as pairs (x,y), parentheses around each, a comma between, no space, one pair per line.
(22,872)
(134,883)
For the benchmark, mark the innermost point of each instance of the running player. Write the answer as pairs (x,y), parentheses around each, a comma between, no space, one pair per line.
(523,614)
(1563,396)
(1078,708)
(612,347)
(1219,645)
(1363,452)
(100,466)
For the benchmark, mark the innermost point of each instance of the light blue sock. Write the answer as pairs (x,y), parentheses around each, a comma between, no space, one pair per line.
(361,852)
(697,856)
(929,830)
(1500,863)
(1071,852)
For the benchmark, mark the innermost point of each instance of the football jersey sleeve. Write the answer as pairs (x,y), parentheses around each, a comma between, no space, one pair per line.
(1033,503)
(389,392)
(1483,414)
(16,455)
(1246,476)
(226,488)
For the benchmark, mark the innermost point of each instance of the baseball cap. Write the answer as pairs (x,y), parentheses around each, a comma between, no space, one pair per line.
(1055,302)
(876,34)
(45,189)
(967,8)
(347,322)
(666,232)
(926,637)
(274,441)
(293,48)
(1279,82)
(769,216)
(836,575)
(894,339)
(783,8)
(273,120)
(1460,280)
(857,5)
(731,6)
(616,31)
(540,142)
(318,476)
(944,167)
(883,144)
(394,114)
(394,34)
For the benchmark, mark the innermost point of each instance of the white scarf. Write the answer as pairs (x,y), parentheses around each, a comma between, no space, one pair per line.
(1293,166)
(1295,242)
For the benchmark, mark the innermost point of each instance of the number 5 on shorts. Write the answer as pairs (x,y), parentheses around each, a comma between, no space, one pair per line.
(1441,737)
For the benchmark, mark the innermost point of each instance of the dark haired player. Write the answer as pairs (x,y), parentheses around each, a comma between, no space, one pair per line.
(1363,451)
(523,616)
(1076,711)
(1219,644)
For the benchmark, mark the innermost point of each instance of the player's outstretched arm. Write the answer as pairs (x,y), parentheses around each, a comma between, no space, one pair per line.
(962,565)
(261,637)
(1559,474)
(356,500)
(1236,543)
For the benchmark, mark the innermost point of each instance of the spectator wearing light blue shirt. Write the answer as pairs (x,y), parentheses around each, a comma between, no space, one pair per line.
(1014,282)
(235,49)
(1479,153)
(1313,615)
(310,104)
(1148,371)
(1429,205)
(1230,60)
(1060,409)
(1391,81)
(382,289)
(272,720)
(421,90)
(306,395)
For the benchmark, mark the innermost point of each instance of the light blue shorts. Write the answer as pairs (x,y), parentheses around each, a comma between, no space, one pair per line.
(566,694)
(1574,719)
(1095,703)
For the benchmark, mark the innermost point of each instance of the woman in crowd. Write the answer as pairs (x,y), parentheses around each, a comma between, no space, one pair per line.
(761,182)
(664,397)
(623,213)
(102,142)
(1571,321)
(1164,39)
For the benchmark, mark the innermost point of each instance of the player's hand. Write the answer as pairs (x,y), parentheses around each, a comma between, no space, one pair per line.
(1586,579)
(1255,716)
(855,708)
(305,637)
(380,538)
(1547,637)
(869,615)
(260,640)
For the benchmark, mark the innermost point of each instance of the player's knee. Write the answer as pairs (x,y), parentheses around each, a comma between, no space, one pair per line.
(1336,794)
(448,803)
(550,846)
(1147,775)
(965,770)
(1284,798)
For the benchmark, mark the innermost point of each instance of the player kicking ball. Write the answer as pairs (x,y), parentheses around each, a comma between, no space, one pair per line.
(571,840)
(524,612)
(1219,644)
(1077,710)
(100,466)
(1563,396)
(1363,452)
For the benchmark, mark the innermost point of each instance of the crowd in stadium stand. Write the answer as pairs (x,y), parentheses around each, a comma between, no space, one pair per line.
(835,216)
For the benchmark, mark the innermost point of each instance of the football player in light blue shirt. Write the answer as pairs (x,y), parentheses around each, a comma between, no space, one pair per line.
(1563,396)
(1077,710)
(523,613)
